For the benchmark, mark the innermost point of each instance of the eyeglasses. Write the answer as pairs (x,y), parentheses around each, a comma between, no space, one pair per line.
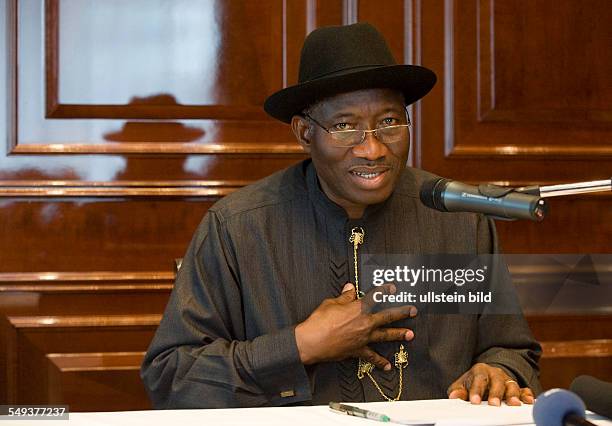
(354,137)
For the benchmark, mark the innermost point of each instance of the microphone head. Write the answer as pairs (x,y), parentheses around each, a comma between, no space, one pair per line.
(553,406)
(431,193)
(596,393)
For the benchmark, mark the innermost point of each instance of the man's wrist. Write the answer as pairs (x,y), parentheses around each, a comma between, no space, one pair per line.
(301,342)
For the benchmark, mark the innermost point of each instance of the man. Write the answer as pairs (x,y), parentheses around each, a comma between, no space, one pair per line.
(262,312)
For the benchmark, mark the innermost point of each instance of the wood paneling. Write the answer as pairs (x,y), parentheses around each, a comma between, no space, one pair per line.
(118,144)
(226,57)
(96,234)
(81,293)
(525,99)
(573,225)
(573,345)
(53,324)
(107,376)
(42,375)
(234,45)
(508,109)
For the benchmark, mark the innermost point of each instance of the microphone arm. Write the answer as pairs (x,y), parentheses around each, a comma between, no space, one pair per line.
(500,202)
(567,188)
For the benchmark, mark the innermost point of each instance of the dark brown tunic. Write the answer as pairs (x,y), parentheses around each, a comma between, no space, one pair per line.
(264,257)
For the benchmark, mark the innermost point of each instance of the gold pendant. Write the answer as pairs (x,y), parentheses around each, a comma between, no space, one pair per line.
(401,358)
(357,235)
(365,368)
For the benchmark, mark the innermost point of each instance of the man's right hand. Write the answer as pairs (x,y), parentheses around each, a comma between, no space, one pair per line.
(342,327)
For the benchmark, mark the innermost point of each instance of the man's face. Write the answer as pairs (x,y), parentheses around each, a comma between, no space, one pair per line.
(358,176)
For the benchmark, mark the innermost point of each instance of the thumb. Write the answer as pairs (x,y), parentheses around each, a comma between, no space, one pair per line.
(348,294)
(348,287)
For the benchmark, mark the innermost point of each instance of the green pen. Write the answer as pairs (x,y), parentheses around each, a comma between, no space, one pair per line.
(358,412)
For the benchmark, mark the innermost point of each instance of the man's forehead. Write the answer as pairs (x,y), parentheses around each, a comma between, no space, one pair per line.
(361,100)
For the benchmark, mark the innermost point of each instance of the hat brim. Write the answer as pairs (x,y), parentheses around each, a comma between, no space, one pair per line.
(412,80)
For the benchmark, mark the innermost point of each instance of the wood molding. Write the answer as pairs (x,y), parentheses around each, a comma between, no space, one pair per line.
(100,361)
(12,22)
(67,282)
(124,189)
(74,321)
(51,55)
(350,12)
(508,152)
(449,78)
(154,112)
(112,381)
(233,148)
(537,270)
(577,348)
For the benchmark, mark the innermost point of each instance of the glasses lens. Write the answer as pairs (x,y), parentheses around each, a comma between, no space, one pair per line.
(391,134)
(347,137)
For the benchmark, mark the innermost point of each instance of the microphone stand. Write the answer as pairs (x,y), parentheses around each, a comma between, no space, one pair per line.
(567,188)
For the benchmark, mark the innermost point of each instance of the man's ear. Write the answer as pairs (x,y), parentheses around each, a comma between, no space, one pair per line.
(302,131)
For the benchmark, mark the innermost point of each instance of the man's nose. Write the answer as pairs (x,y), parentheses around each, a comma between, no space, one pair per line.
(371,148)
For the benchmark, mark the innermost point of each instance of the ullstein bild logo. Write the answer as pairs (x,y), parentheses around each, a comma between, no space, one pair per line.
(413,276)
(433,297)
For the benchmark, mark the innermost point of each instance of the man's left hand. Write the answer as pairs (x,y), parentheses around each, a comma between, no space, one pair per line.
(484,381)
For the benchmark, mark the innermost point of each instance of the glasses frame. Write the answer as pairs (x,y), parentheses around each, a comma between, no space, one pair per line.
(363,132)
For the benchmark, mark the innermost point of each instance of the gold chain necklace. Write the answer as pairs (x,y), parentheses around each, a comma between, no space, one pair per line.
(401,357)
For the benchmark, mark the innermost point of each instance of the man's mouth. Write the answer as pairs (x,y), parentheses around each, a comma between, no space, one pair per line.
(369,178)
(367,175)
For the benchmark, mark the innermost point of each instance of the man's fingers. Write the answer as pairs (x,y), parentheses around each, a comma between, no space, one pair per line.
(457,390)
(497,389)
(368,302)
(348,287)
(513,393)
(369,355)
(491,382)
(527,396)
(391,334)
(393,314)
(348,294)
(478,386)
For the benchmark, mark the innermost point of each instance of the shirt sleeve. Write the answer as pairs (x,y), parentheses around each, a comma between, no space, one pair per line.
(199,357)
(505,340)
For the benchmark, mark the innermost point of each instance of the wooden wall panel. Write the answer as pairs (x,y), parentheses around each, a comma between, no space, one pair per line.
(212,61)
(44,349)
(117,142)
(107,376)
(526,77)
(573,345)
(52,323)
(581,224)
(89,234)
(508,109)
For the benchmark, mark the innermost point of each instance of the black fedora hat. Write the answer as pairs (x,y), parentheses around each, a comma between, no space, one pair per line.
(342,59)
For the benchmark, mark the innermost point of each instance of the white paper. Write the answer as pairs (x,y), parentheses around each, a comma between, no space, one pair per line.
(443,412)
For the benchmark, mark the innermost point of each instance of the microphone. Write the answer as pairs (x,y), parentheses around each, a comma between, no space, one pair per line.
(501,203)
(559,407)
(596,393)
